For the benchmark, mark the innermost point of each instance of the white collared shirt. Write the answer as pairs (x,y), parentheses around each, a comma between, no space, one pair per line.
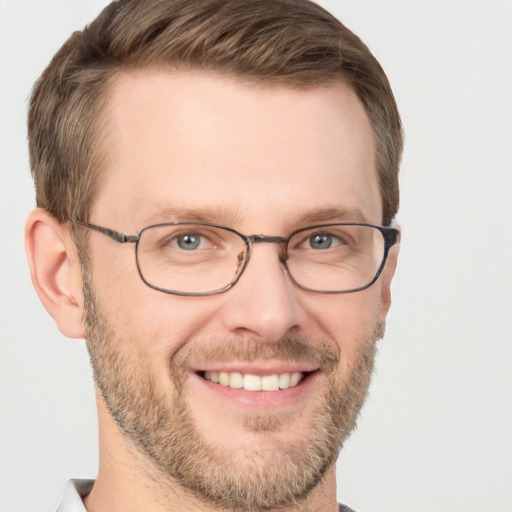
(76,491)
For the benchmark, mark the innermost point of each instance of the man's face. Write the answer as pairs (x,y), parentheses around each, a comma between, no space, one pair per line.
(262,160)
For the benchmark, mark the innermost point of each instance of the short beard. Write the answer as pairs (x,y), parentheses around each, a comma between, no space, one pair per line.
(162,429)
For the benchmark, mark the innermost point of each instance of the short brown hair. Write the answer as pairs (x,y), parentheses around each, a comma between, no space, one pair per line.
(294,42)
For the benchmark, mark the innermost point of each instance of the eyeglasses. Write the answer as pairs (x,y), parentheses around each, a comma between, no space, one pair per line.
(197,259)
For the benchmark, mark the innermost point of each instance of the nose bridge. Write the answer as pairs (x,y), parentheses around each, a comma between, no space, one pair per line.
(265,239)
(263,301)
(256,239)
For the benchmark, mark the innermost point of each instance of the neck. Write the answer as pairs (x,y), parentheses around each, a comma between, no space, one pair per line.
(127,481)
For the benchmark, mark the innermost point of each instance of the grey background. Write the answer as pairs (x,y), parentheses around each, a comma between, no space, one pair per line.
(436,433)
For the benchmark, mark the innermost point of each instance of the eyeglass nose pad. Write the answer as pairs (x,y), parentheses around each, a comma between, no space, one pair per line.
(283,253)
(241,257)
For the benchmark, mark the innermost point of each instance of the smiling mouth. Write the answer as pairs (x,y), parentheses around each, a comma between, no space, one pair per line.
(249,382)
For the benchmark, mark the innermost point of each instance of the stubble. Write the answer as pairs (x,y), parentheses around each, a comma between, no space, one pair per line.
(162,428)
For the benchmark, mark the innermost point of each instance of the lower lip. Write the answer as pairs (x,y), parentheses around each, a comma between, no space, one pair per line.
(262,400)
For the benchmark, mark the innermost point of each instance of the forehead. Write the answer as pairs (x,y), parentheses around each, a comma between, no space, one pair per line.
(179,143)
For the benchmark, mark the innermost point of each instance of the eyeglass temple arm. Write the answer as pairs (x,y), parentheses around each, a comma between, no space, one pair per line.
(115,235)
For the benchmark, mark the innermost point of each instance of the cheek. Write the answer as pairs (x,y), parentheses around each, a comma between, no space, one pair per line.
(347,316)
(155,323)
(348,320)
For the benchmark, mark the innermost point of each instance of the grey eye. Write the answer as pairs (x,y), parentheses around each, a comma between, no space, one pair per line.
(320,241)
(188,242)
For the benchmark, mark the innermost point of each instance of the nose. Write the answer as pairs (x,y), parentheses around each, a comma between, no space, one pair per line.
(263,304)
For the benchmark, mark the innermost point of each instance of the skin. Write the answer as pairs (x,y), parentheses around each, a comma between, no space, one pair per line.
(260,159)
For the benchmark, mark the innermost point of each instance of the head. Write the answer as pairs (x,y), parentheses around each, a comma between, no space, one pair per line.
(264,116)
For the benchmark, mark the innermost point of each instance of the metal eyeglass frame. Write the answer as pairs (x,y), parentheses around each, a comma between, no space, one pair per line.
(391,237)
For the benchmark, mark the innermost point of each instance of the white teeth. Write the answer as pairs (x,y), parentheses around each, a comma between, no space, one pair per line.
(270,382)
(295,378)
(236,380)
(251,382)
(284,380)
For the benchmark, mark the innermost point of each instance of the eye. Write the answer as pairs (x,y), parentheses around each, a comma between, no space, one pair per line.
(322,240)
(188,242)
(184,241)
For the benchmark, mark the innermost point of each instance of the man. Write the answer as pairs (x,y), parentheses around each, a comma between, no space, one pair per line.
(215,184)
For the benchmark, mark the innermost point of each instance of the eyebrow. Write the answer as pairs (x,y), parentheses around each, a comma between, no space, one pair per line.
(202,215)
(229,217)
(335,214)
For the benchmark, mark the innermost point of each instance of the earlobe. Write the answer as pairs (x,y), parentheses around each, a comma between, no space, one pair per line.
(55,271)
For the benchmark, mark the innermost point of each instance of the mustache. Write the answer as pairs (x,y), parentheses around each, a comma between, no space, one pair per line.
(292,349)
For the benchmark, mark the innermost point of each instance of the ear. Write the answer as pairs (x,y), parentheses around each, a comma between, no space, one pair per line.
(55,271)
(387,277)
